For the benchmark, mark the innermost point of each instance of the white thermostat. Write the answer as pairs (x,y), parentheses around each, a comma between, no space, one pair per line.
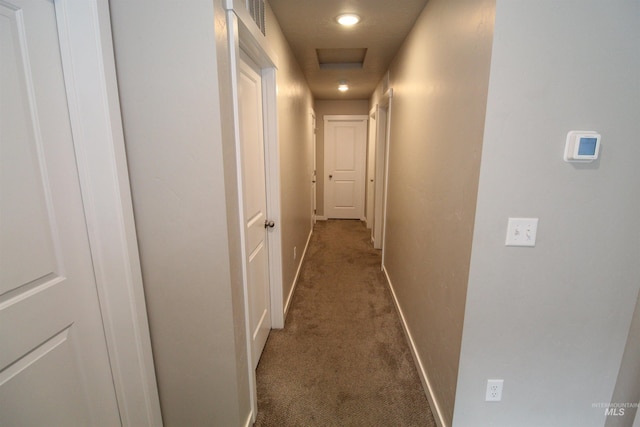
(582,146)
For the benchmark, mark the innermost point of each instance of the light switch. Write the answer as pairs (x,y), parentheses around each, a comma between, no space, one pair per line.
(521,232)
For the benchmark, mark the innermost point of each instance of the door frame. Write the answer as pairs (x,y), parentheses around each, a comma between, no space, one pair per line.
(347,118)
(86,46)
(243,34)
(380,178)
(314,176)
(383,141)
(371,169)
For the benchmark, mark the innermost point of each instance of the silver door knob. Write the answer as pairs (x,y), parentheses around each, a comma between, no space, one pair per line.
(268,223)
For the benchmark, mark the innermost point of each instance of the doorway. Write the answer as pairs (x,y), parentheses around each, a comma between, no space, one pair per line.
(248,45)
(345,141)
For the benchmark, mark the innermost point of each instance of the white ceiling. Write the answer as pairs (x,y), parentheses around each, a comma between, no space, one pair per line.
(311,24)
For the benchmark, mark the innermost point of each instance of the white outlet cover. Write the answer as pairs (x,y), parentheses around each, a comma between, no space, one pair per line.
(494,390)
(521,232)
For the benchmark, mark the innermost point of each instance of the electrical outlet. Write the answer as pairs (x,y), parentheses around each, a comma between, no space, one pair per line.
(494,390)
(295,253)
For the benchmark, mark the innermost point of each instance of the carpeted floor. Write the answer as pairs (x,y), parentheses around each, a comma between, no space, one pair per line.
(342,358)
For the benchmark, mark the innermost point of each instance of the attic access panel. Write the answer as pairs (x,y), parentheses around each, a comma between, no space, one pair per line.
(341,58)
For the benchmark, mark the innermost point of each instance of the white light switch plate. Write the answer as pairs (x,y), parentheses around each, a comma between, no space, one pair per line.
(521,232)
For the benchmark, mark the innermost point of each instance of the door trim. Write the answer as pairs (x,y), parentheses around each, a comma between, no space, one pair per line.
(244,35)
(386,102)
(314,177)
(92,94)
(371,170)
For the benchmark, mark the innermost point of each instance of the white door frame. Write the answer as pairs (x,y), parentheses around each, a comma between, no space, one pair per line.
(383,140)
(243,34)
(380,178)
(314,176)
(86,46)
(371,169)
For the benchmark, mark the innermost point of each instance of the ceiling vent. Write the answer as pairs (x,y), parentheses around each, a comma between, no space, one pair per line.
(256,10)
(341,58)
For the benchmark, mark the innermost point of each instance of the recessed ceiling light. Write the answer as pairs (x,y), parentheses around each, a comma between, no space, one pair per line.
(343,86)
(348,19)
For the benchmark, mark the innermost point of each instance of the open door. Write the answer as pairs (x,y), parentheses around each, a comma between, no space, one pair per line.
(254,198)
(261,257)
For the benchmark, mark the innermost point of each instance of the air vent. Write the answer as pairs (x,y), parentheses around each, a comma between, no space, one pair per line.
(256,10)
(341,58)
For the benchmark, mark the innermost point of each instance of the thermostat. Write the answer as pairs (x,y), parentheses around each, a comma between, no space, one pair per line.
(582,146)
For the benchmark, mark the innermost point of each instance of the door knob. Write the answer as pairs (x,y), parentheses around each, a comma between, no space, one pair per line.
(330,176)
(269,223)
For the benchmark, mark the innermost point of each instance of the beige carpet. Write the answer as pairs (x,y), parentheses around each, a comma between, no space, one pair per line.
(342,359)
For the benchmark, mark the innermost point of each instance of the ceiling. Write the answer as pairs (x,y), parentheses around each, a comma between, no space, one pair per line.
(329,52)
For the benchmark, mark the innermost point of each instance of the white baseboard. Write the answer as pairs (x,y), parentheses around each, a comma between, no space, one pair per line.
(324,218)
(295,279)
(250,420)
(424,378)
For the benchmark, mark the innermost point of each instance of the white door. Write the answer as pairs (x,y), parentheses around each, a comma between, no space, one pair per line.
(254,205)
(54,367)
(345,140)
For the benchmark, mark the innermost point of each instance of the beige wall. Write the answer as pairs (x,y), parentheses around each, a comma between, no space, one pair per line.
(439,80)
(328,108)
(553,320)
(181,154)
(627,388)
(178,122)
(295,133)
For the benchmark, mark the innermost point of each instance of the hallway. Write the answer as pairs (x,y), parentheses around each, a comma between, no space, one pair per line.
(342,358)
(479,104)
